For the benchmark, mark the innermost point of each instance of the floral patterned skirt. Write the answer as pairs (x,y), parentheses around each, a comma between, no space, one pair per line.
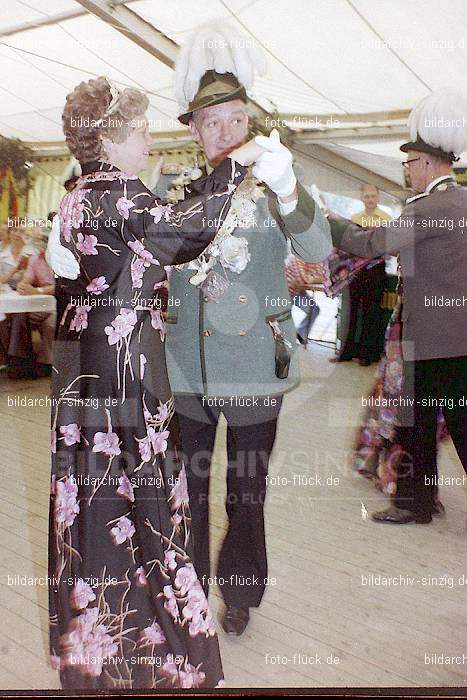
(126,608)
(377,450)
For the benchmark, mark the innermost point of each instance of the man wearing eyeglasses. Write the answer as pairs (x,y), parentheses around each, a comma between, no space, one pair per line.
(429,235)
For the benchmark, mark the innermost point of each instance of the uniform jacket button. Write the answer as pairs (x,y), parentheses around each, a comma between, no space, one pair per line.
(243,299)
(242,332)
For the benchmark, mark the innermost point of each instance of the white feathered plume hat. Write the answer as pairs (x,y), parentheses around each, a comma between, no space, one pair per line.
(438,125)
(216,65)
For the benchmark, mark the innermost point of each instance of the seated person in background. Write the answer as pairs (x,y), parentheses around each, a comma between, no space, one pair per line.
(38,279)
(12,258)
(302,277)
(32,240)
(12,266)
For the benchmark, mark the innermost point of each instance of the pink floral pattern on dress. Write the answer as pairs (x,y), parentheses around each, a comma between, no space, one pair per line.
(137,272)
(190,677)
(140,577)
(179,492)
(107,443)
(185,578)
(157,322)
(197,613)
(170,603)
(158,440)
(163,412)
(147,257)
(170,559)
(122,326)
(87,244)
(123,207)
(126,488)
(119,541)
(161,212)
(66,504)
(81,595)
(145,449)
(71,434)
(153,634)
(88,643)
(97,285)
(80,321)
(123,531)
(72,212)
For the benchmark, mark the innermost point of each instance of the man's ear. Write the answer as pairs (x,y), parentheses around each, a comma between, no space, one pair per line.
(194,131)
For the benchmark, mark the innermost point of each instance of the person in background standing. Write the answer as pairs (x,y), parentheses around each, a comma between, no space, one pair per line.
(430,239)
(364,338)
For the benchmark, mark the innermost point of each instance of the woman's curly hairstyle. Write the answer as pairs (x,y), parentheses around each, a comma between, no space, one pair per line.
(85,119)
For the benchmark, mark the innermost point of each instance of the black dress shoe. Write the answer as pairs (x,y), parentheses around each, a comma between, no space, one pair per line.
(364,362)
(399,516)
(235,620)
(44,371)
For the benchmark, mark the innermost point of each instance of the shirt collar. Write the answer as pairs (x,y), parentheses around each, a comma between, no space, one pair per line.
(438,181)
(432,186)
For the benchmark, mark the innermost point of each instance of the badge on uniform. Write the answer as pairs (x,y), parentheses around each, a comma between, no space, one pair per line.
(214,286)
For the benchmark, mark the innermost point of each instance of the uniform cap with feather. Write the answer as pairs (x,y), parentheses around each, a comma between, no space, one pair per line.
(216,65)
(437,125)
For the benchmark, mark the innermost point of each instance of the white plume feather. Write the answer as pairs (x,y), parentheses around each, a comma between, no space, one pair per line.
(219,48)
(440,119)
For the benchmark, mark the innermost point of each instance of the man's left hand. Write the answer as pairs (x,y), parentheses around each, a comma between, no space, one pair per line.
(274,167)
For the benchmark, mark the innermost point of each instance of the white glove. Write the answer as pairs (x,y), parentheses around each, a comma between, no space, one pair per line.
(275,166)
(59,258)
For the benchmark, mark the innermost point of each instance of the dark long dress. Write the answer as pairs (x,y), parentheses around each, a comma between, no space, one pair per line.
(126,607)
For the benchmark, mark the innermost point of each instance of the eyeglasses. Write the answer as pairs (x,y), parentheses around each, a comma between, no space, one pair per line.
(407,162)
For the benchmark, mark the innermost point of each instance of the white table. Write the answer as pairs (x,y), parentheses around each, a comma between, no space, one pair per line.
(12,302)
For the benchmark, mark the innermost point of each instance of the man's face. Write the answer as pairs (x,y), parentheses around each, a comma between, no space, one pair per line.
(417,170)
(219,129)
(370,197)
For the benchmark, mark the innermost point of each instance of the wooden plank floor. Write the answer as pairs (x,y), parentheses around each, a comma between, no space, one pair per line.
(324,621)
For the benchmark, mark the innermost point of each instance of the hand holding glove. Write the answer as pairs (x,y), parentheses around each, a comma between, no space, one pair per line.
(59,258)
(274,167)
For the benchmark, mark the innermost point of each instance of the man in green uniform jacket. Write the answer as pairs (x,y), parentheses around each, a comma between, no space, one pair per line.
(231,339)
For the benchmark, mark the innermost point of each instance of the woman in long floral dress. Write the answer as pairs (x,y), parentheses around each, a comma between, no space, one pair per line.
(126,607)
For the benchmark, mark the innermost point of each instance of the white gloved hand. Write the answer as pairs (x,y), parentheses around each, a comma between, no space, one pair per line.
(60,259)
(275,166)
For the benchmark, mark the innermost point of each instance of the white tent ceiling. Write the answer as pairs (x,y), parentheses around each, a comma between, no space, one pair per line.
(363,62)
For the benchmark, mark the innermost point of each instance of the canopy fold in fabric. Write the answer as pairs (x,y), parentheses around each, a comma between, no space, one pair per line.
(326,58)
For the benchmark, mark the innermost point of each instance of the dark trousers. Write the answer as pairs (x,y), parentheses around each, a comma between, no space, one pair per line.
(364,338)
(251,432)
(433,385)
